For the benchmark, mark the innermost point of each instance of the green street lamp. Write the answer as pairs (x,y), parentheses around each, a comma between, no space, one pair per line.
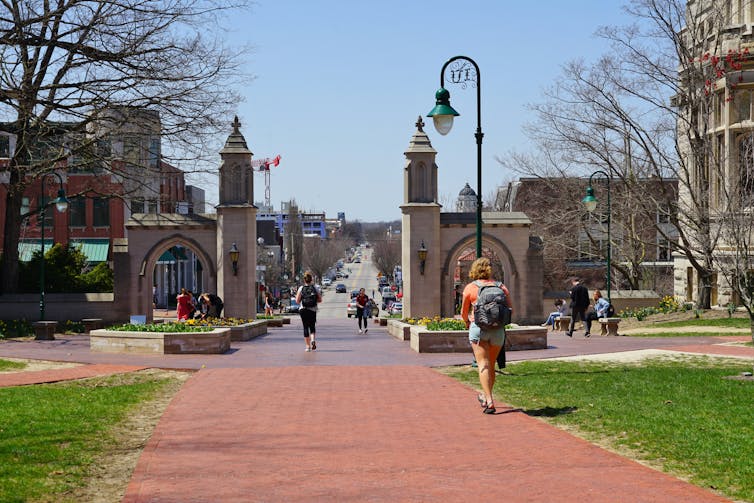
(590,203)
(61,204)
(463,71)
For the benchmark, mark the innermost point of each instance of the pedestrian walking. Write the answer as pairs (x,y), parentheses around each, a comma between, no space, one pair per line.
(579,303)
(308,296)
(361,302)
(485,342)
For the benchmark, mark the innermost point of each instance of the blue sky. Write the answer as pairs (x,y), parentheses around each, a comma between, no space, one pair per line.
(338,86)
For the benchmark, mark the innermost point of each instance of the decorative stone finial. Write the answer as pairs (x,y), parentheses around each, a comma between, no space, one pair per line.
(236,125)
(420,124)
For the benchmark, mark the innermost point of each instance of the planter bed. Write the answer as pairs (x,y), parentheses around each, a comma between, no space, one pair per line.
(275,322)
(457,341)
(247,331)
(399,330)
(213,341)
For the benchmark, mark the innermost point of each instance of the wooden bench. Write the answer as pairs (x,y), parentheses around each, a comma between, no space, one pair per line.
(609,326)
(562,323)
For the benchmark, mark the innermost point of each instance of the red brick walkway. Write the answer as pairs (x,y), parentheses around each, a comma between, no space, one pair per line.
(324,433)
(65,374)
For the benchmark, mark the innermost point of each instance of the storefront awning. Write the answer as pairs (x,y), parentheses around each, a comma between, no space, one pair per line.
(166,258)
(27,247)
(96,250)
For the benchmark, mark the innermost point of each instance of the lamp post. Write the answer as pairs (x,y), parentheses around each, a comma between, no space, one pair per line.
(233,252)
(590,202)
(422,254)
(61,204)
(464,71)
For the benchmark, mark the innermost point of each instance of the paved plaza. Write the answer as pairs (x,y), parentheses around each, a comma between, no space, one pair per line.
(362,418)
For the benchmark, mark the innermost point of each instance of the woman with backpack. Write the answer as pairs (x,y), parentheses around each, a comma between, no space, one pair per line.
(486,340)
(308,296)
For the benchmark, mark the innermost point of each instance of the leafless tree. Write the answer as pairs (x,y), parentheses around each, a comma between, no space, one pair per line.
(643,110)
(320,255)
(386,254)
(294,241)
(73,73)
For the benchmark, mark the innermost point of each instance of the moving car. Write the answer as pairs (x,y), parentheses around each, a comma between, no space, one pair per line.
(326,282)
(340,288)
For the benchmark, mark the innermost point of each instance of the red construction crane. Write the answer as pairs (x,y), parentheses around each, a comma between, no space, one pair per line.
(263,166)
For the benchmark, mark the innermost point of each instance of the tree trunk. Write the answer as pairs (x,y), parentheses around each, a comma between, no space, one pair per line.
(11,237)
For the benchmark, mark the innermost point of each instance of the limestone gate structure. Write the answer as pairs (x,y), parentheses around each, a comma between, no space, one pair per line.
(429,282)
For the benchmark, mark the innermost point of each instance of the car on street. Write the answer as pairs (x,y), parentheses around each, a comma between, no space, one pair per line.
(351,308)
(326,282)
(340,288)
(396,308)
(293,307)
(387,299)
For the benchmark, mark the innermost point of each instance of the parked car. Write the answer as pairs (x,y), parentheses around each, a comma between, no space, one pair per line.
(340,288)
(326,282)
(351,309)
(396,308)
(387,299)
(293,307)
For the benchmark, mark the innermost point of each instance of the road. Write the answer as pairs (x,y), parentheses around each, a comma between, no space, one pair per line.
(363,275)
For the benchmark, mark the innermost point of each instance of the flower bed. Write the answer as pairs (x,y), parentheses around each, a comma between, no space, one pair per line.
(199,340)
(518,338)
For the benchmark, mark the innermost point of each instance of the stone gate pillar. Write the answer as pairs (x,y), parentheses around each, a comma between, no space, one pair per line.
(421,226)
(237,224)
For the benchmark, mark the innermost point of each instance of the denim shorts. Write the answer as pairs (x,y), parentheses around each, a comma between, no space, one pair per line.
(494,337)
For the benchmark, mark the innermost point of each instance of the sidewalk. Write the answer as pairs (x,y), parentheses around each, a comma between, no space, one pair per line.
(363,418)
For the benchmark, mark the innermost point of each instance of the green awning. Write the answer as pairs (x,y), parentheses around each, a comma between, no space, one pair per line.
(27,247)
(166,258)
(96,250)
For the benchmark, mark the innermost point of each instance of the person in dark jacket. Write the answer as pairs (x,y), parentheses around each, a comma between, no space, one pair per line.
(579,304)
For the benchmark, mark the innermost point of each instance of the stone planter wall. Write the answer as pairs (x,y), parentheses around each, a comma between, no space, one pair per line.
(214,341)
(247,331)
(399,330)
(457,341)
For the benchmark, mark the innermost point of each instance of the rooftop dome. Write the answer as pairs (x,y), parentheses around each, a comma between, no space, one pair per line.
(467,191)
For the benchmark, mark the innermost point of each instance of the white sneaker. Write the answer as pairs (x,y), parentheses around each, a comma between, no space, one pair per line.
(307,350)
(360,331)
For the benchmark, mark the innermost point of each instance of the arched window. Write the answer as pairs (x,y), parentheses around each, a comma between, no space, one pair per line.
(745,174)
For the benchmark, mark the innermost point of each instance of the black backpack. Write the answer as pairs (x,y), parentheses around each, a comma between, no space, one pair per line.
(490,310)
(308,296)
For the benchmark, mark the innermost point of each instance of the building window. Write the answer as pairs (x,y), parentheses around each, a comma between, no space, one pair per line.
(152,203)
(663,250)
(77,212)
(746,168)
(101,212)
(137,206)
(154,153)
(4,146)
(663,215)
(742,103)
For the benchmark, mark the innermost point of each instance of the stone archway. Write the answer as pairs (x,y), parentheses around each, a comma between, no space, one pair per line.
(150,261)
(500,256)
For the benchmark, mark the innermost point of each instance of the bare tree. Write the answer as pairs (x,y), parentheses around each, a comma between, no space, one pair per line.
(386,254)
(73,73)
(645,110)
(294,240)
(320,255)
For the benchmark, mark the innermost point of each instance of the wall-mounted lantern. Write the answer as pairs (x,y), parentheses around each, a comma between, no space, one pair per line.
(422,253)
(234,258)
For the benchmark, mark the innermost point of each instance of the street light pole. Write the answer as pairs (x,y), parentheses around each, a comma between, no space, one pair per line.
(61,204)
(464,71)
(591,204)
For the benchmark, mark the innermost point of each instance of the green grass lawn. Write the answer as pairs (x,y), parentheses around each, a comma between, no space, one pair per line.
(9,365)
(710,322)
(682,416)
(50,434)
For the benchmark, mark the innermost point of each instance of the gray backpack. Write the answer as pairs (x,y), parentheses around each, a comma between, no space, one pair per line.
(490,310)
